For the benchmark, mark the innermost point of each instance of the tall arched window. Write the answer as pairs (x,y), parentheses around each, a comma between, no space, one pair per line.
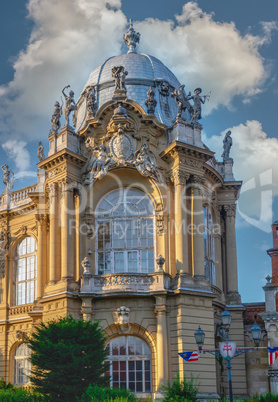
(130,363)
(25,271)
(125,232)
(209,246)
(22,365)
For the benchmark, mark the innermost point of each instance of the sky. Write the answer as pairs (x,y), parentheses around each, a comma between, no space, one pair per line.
(229,47)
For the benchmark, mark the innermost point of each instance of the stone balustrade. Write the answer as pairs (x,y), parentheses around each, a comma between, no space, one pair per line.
(24,309)
(16,198)
(125,282)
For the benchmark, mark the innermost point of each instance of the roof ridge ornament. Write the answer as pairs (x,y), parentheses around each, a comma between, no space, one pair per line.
(131,38)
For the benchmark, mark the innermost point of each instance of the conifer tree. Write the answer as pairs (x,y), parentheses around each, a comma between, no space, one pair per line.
(67,356)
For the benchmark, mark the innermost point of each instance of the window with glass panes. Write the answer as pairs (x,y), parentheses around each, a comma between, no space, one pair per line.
(22,365)
(25,271)
(209,246)
(125,232)
(130,363)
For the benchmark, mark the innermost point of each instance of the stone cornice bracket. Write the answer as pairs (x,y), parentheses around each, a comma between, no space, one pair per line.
(230,210)
(179,178)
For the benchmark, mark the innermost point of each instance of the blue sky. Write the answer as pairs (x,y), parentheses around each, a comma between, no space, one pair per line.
(229,47)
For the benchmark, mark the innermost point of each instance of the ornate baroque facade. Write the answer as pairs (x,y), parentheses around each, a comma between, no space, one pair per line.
(132,223)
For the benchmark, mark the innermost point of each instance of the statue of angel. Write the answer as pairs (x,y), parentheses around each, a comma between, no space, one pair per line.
(40,152)
(70,105)
(145,162)
(8,177)
(182,100)
(55,119)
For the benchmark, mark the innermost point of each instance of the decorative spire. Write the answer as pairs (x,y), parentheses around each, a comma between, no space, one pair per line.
(131,38)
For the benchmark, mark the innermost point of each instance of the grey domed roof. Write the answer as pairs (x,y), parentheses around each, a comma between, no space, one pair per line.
(143,71)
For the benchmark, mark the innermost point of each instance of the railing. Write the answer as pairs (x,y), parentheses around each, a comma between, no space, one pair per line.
(131,283)
(25,309)
(16,198)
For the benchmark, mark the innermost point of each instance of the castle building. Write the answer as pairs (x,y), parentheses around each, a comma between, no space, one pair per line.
(132,223)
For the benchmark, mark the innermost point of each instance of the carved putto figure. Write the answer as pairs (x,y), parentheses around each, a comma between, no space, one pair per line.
(227,144)
(182,100)
(70,105)
(40,152)
(90,95)
(145,162)
(8,177)
(123,313)
(119,74)
(56,116)
(150,102)
(101,164)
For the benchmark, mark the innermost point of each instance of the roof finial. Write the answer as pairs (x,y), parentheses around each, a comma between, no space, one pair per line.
(131,38)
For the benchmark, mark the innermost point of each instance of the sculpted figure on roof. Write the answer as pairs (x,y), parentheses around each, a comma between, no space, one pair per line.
(40,152)
(70,105)
(119,74)
(182,100)
(8,177)
(227,144)
(55,119)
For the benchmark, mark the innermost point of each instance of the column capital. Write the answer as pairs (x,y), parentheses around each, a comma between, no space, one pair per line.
(230,210)
(41,218)
(197,180)
(179,177)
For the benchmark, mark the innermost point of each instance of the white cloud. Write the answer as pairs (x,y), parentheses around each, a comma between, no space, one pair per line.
(254,156)
(206,53)
(70,38)
(18,153)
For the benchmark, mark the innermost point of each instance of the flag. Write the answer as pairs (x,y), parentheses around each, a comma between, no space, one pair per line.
(272,354)
(190,356)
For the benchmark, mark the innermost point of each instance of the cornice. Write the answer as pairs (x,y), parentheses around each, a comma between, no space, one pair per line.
(181,148)
(60,157)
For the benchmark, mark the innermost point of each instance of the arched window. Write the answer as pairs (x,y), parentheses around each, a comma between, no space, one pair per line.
(25,271)
(22,365)
(130,363)
(209,246)
(125,232)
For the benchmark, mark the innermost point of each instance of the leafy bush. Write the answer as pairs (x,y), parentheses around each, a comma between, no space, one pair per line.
(20,395)
(67,356)
(181,390)
(268,398)
(5,385)
(99,394)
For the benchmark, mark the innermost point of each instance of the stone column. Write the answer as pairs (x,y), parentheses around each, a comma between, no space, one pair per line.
(218,253)
(68,214)
(161,341)
(41,253)
(76,199)
(52,231)
(231,257)
(181,238)
(198,264)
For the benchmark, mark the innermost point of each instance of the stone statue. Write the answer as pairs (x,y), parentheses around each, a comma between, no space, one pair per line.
(123,313)
(145,162)
(90,95)
(227,144)
(70,105)
(197,107)
(8,177)
(150,102)
(40,152)
(102,162)
(56,116)
(119,74)
(182,100)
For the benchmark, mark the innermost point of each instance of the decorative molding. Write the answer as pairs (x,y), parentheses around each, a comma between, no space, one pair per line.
(179,178)
(230,210)
(122,318)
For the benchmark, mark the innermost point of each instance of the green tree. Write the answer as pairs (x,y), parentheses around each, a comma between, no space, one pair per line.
(181,390)
(67,356)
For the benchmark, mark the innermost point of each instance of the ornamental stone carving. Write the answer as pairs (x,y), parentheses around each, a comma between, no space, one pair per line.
(145,163)
(123,317)
(8,177)
(180,178)
(164,88)
(86,265)
(90,95)
(230,210)
(160,261)
(150,102)
(100,164)
(159,216)
(21,335)
(70,105)
(122,147)
(55,119)
(131,38)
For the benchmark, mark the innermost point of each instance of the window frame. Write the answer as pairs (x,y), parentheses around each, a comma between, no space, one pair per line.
(29,283)
(26,369)
(143,224)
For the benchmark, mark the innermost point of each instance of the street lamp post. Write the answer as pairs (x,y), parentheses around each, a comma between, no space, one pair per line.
(226,322)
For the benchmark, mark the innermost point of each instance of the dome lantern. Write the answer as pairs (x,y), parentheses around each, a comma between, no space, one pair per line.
(131,38)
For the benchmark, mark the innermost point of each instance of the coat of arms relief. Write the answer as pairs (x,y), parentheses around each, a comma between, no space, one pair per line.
(120,146)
